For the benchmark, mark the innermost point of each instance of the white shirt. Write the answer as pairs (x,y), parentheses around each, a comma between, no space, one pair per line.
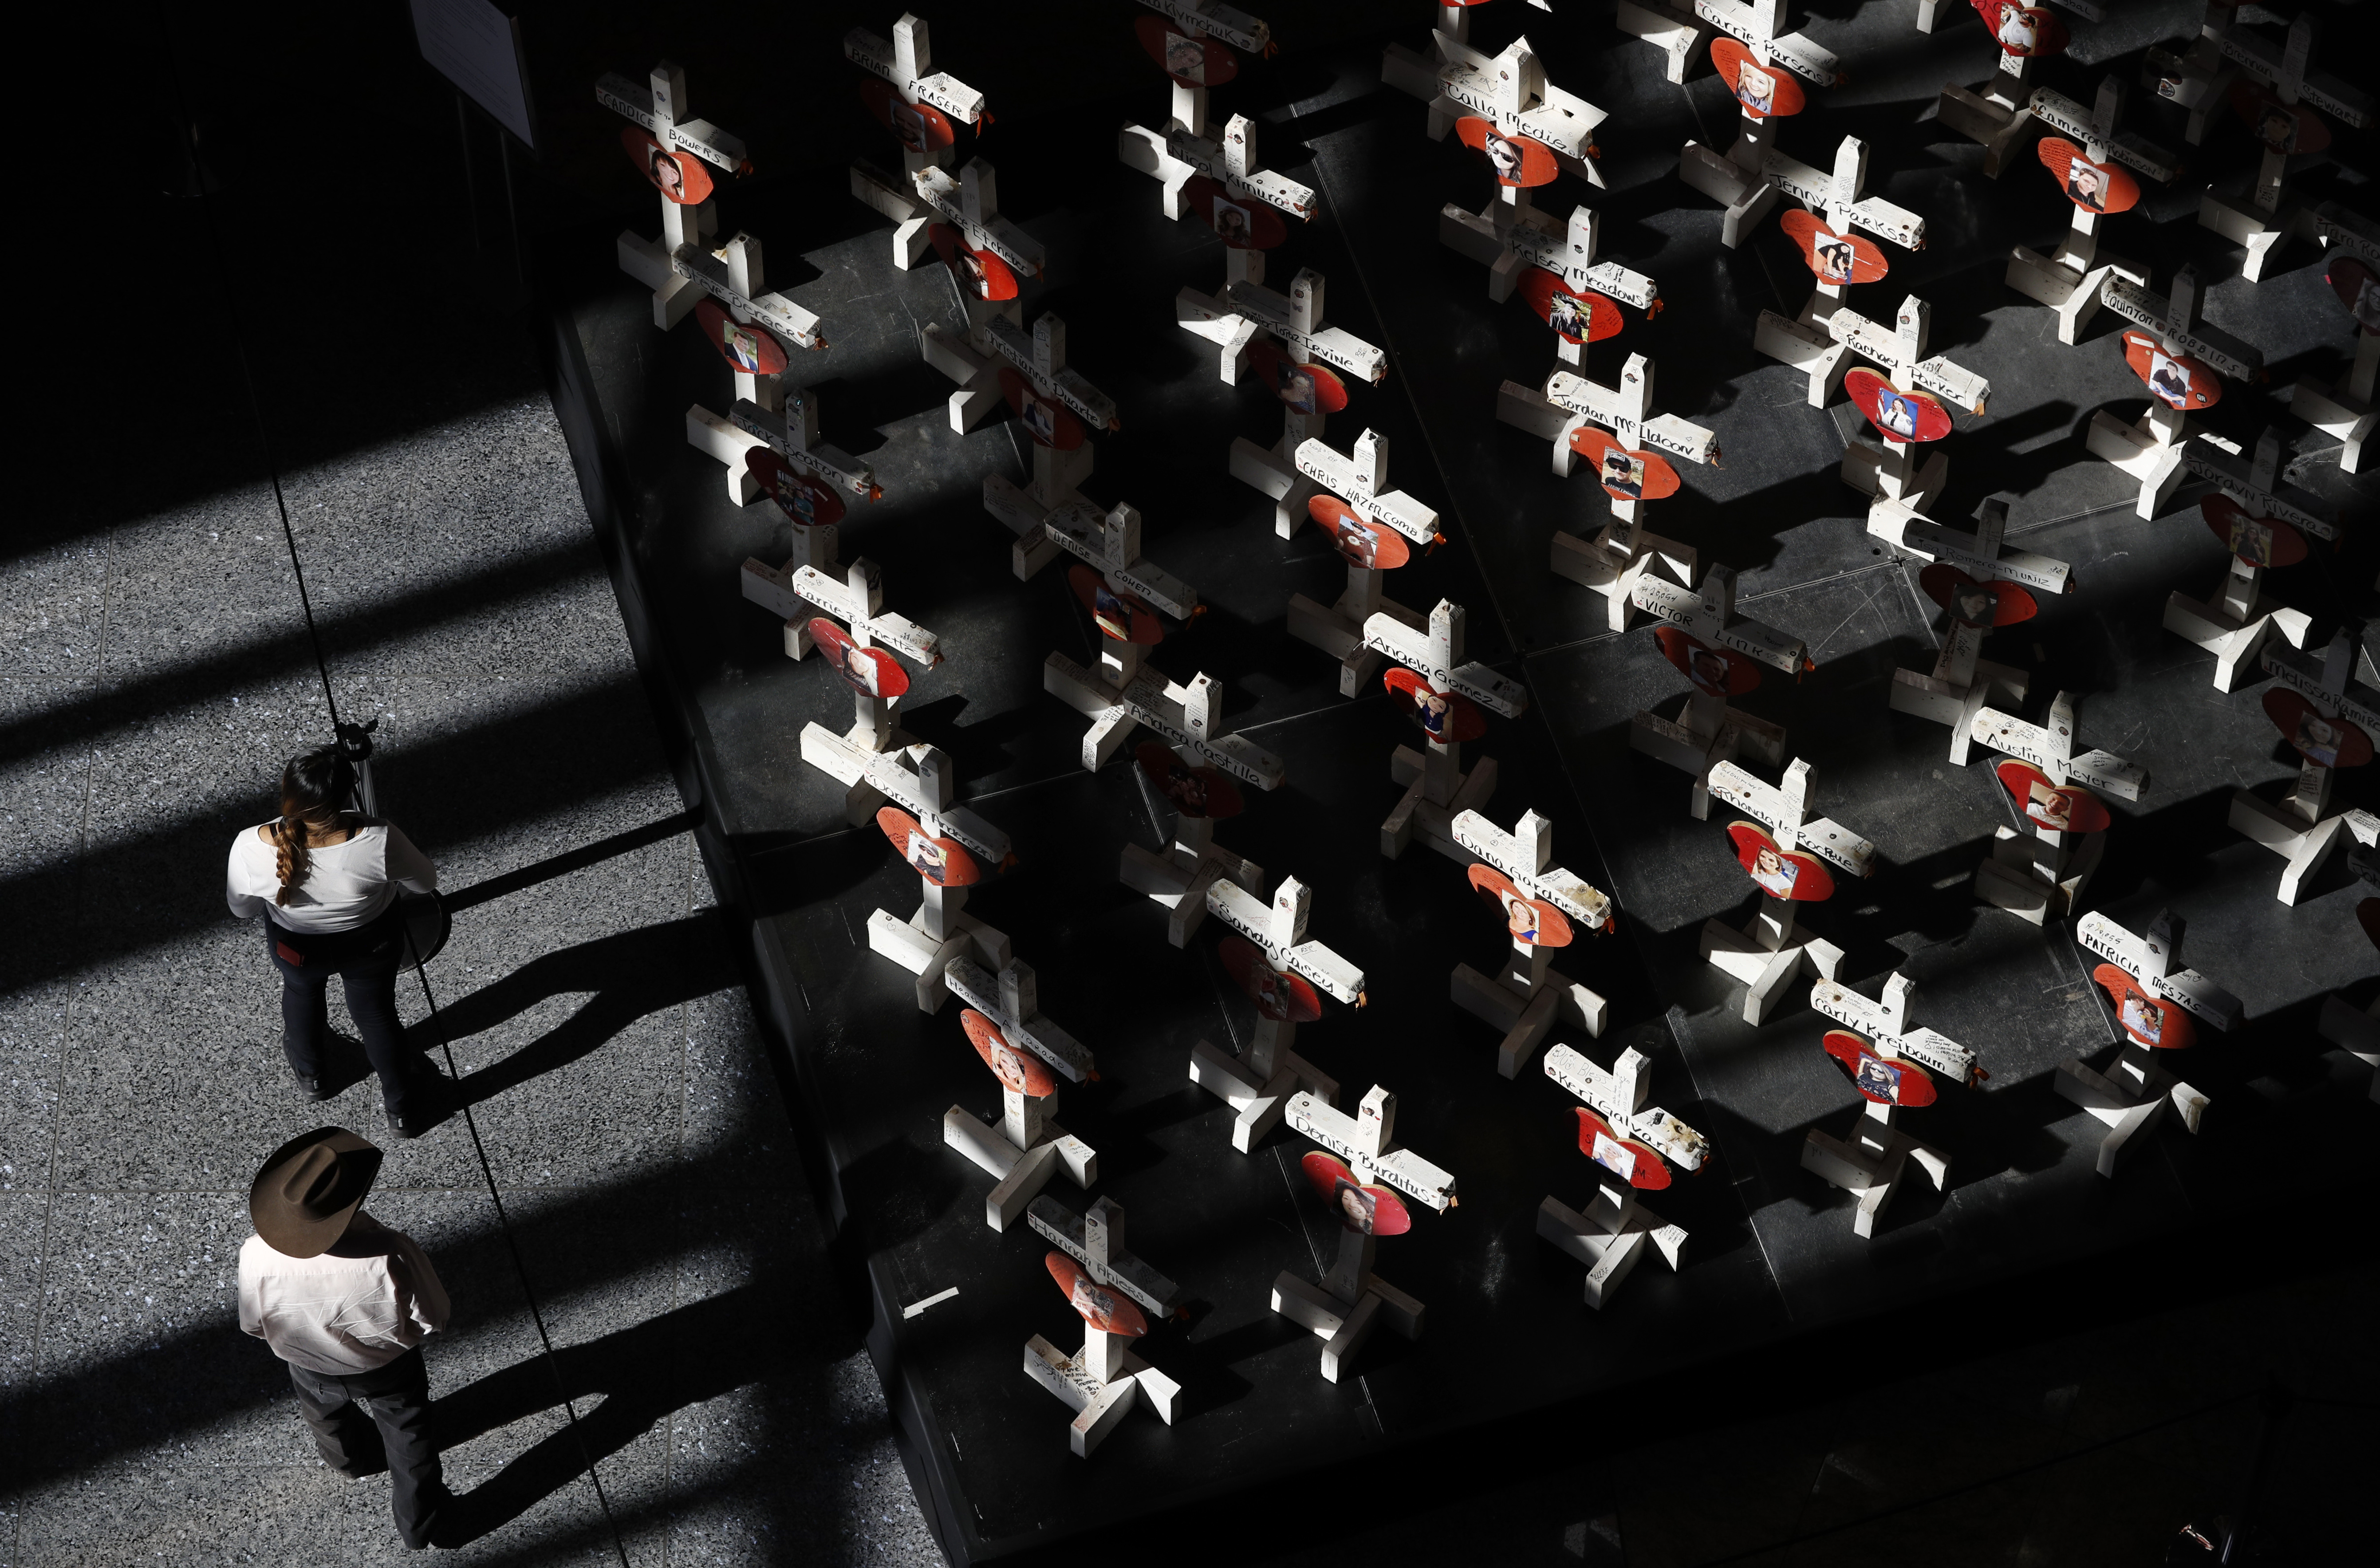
(361,1304)
(346,885)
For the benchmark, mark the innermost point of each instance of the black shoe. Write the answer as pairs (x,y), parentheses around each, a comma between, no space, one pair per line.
(410,1124)
(311,1086)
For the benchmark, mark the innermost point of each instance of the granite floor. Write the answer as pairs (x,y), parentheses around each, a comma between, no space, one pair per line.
(153,675)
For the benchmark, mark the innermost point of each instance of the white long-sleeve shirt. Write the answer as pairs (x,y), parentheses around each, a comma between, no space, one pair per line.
(346,885)
(367,1301)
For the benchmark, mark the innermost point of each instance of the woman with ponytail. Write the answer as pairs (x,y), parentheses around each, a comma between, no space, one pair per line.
(325,880)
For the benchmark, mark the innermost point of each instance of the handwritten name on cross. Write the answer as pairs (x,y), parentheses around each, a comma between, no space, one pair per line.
(1626,411)
(1759,24)
(2283,68)
(1013,1002)
(907,63)
(1095,1240)
(2050,747)
(1836,193)
(1040,358)
(1709,618)
(1525,855)
(1784,808)
(2175,320)
(1360,481)
(731,275)
(1886,1025)
(1900,350)
(1279,929)
(2150,959)
(1365,1141)
(1510,90)
(1619,1096)
(2094,128)
(1231,163)
(1182,716)
(1978,552)
(661,107)
(1243,311)
(2327,681)
(1432,655)
(2256,483)
(794,436)
(917,779)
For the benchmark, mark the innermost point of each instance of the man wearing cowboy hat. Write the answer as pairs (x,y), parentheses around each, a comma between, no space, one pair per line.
(346,1302)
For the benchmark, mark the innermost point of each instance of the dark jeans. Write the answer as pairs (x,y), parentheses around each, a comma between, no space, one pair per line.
(363,1418)
(366,961)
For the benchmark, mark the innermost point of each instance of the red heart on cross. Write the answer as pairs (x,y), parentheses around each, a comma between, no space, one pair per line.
(1780,872)
(1015,1069)
(2094,187)
(1531,922)
(1632,1160)
(1103,1309)
(2065,809)
(941,861)
(1885,1080)
(1625,475)
(1364,1208)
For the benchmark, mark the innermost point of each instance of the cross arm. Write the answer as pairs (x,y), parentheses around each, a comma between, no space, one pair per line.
(898,785)
(1616,1096)
(1874,214)
(2226,353)
(1337,348)
(2010,735)
(942,89)
(938,189)
(1682,607)
(2014,566)
(2187,988)
(1318,462)
(1015,345)
(1566,890)
(1826,839)
(1127,1274)
(2060,112)
(1216,20)
(1880,345)
(1414,650)
(2302,673)
(2266,61)
(979,989)
(774,311)
(1399,1168)
(2205,456)
(1793,51)
(838,598)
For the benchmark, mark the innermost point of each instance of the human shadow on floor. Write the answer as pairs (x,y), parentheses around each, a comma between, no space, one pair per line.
(630,973)
(624,1385)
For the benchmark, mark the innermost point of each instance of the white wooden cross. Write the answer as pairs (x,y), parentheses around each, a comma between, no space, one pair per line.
(2070,282)
(1184,147)
(1897,489)
(1350,1301)
(1872,1161)
(2042,877)
(2269,217)
(1110,541)
(1707,730)
(2340,684)
(1436,789)
(1013,1000)
(2150,449)
(1361,481)
(971,205)
(1609,1235)
(2350,413)
(791,431)
(1237,317)
(794,436)
(1256,1084)
(1769,951)
(1747,178)
(1106,1377)
(919,780)
(1511,90)
(661,107)
(732,274)
(1805,341)
(856,599)
(1624,550)
(2136,1092)
(1040,358)
(1519,1002)
(2234,621)
(1963,681)
(1027,1147)
(906,61)
(1183,717)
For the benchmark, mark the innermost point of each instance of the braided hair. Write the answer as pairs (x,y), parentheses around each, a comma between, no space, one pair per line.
(314,793)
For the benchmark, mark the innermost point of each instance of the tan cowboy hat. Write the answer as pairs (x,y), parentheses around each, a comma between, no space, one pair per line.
(302,1200)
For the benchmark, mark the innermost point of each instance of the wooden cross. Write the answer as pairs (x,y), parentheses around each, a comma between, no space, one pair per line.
(1999,113)
(1436,789)
(2042,876)
(1345,1307)
(661,108)
(1803,341)
(2342,684)
(919,780)
(1106,1377)
(2234,621)
(791,431)
(1040,358)
(1184,147)
(1509,89)
(2269,217)
(2137,1092)
(1256,1084)
(907,63)
(1611,562)
(1769,952)
(2350,413)
(1609,1235)
(1181,716)
(2070,282)
(1707,730)
(2149,450)
(1746,179)
(856,599)
(1110,541)
(1872,1161)
(1962,681)
(732,274)
(971,205)
(1246,311)
(1897,489)
(1027,1147)
(1013,1001)
(1519,1002)
(1361,481)
(1509,233)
